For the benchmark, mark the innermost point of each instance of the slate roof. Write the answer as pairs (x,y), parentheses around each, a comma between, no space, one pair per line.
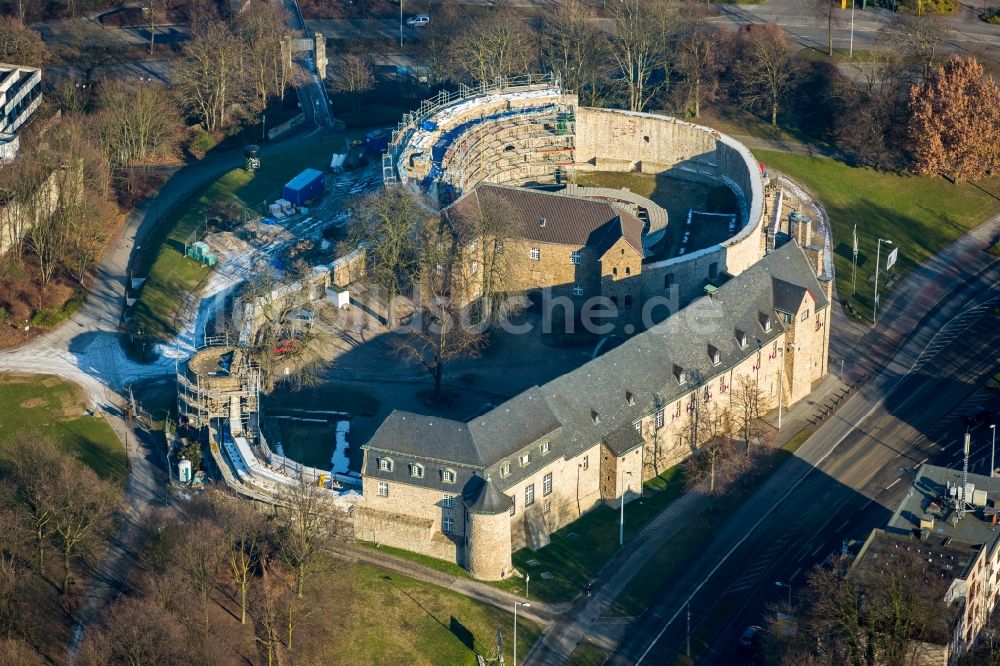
(568,220)
(601,400)
(483,496)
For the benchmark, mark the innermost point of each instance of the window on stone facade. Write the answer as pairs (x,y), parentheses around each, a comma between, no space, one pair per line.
(447,525)
(614,271)
(417,471)
(448,501)
(574,257)
(505,470)
(535,254)
(545,448)
(628,270)
(789,318)
(659,418)
(475,267)
(499,247)
(383,489)
(546,506)
(385,464)
(513,505)
(529,494)
(586,462)
(547,484)
(524,459)
(578,291)
(805,314)
(448,475)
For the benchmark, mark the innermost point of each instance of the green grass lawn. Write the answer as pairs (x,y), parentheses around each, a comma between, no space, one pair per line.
(56,408)
(920,215)
(386,618)
(171,275)
(587,654)
(573,562)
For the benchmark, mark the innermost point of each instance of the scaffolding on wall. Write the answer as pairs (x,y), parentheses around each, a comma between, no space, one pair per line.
(209,381)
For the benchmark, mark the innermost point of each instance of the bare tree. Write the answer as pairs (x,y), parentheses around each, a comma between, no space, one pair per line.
(244,531)
(134,631)
(765,67)
(716,463)
(211,76)
(826,11)
(34,491)
(355,77)
(308,521)
(260,32)
(919,38)
(638,46)
(135,123)
(745,411)
(386,226)
(574,46)
(699,62)
(20,44)
(499,45)
(202,560)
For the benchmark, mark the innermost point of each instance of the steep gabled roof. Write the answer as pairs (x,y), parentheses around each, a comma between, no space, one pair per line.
(568,220)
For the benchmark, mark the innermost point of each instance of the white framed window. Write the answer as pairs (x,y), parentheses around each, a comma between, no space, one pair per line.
(417,471)
(574,258)
(447,501)
(637,425)
(448,475)
(524,459)
(586,462)
(475,267)
(659,418)
(505,470)
(474,245)
(546,506)
(577,290)
(499,247)
(529,494)
(547,484)
(545,448)
(447,525)
(513,505)
(383,489)
(535,254)
(805,314)
(385,464)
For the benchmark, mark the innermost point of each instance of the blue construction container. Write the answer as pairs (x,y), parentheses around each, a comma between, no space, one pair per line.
(307,185)
(377,141)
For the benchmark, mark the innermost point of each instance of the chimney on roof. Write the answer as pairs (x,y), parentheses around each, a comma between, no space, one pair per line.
(800,228)
(814,253)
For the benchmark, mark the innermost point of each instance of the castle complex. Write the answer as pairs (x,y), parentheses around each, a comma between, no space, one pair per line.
(748,311)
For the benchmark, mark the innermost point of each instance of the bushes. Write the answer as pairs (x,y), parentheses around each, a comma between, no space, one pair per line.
(202,142)
(991,15)
(53,316)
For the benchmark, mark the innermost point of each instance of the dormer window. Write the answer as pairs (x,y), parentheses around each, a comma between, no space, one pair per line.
(505,470)
(545,448)
(680,375)
(715,355)
(385,464)
(525,459)
(417,471)
(541,221)
(629,398)
(595,417)
(765,322)
(741,338)
(448,475)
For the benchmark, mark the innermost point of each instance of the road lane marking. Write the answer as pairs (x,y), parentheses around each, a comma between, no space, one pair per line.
(818,548)
(922,462)
(794,574)
(893,483)
(842,525)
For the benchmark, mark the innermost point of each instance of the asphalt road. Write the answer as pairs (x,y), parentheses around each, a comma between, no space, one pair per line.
(843,482)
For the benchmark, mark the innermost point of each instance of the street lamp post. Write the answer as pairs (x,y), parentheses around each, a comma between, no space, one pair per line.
(851,51)
(993,449)
(878,257)
(778,583)
(526,604)
(621,521)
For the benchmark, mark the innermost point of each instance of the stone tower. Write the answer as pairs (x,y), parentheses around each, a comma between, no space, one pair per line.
(487,531)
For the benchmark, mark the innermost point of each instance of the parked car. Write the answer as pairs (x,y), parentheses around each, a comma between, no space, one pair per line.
(418,21)
(750,638)
(980,417)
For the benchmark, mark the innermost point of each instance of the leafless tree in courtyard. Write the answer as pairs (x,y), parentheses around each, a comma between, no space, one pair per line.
(765,68)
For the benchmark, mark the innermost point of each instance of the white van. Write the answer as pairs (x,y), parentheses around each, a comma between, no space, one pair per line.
(418,21)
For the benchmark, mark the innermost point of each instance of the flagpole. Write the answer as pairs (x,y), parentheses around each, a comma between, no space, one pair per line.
(854,278)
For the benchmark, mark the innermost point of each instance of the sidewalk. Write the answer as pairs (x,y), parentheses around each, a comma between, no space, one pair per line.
(585,617)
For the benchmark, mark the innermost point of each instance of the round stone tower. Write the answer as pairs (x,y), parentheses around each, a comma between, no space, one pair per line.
(487,532)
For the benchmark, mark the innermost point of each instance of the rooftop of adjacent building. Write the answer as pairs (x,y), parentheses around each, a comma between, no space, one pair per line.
(12,77)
